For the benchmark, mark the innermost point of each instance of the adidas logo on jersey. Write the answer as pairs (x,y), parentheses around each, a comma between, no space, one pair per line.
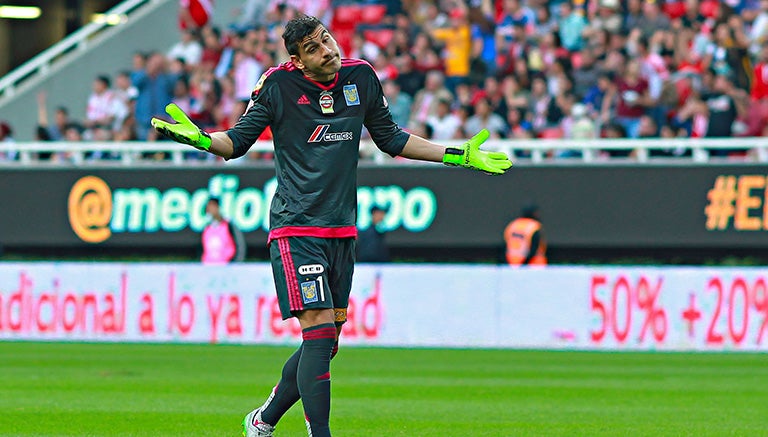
(303,100)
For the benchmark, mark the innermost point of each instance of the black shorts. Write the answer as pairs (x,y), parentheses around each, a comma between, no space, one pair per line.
(313,273)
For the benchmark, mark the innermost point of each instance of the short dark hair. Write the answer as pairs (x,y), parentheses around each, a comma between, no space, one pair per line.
(296,30)
(530,210)
(104,79)
(214,200)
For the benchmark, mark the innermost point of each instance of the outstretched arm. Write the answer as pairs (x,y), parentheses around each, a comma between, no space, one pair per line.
(423,150)
(184,131)
(468,155)
(221,145)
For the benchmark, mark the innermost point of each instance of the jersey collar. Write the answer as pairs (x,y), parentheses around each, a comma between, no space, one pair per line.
(324,87)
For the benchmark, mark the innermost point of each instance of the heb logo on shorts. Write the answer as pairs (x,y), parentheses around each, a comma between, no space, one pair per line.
(311,269)
(321,134)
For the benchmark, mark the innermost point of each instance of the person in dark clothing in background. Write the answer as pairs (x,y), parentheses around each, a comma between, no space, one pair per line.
(371,242)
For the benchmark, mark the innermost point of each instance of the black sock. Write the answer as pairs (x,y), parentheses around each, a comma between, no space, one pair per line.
(285,393)
(314,377)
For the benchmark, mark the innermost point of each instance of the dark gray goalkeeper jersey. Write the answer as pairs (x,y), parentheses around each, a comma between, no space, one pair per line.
(316,129)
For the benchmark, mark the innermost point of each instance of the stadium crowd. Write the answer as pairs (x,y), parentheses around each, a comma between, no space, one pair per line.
(522,69)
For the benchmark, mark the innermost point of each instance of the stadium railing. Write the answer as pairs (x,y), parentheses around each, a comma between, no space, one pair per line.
(744,150)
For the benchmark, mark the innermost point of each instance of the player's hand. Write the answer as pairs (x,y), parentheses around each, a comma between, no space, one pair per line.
(470,156)
(183,131)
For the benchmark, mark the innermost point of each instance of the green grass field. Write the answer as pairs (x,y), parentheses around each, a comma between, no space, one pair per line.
(59,389)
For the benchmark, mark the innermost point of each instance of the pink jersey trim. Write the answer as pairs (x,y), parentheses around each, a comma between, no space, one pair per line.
(284,66)
(289,270)
(312,231)
(350,62)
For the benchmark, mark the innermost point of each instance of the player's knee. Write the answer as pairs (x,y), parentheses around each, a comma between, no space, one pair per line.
(314,317)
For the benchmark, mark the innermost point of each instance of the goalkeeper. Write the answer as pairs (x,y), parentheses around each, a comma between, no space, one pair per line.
(316,105)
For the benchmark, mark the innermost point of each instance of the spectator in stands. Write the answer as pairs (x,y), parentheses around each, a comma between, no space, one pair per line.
(458,47)
(363,48)
(633,97)
(652,19)
(400,43)
(558,81)
(517,126)
(485,118)
(544,22)
(571,26)
(182,97)
(178,67)
(483,57)
(515,97)
(155,89)
(759,88)
(209,94)
(58,131)
(45,130)
(424,55)
(513,14)
(73,132)
(444,125)
(466,95)
(213,47)
(233,42)
(6,133)
(613,130)
(724,104)
(668,131)
(226,104)
(727,54)
(539,104)
(6,138)
(188,48)
(582,126)
(600,98)
(425,102)
(491,90)
(634,11)
(252,13)
(653,69)
(399,102)
(647,128)
(102,110)
(608,18)
(758,34)
(585,74)
(510,52)
(126,94)
(246,71)
(384,68)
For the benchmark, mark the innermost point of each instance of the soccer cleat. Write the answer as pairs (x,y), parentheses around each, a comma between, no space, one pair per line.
(254,427)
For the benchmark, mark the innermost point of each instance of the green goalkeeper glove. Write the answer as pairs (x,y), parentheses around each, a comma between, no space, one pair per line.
(470,156)
(184,131)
